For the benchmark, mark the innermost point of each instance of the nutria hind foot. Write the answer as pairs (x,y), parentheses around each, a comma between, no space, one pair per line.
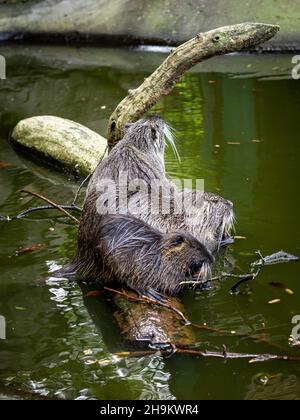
(150,294)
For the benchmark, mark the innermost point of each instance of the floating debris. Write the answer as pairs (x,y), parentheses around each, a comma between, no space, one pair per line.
(282,286)
(4,165)
(293,342)
(28,249)
(277,258)
(274,301)
(289,291)
(90,362)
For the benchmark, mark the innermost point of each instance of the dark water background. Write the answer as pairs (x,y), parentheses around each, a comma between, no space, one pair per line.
(52,331)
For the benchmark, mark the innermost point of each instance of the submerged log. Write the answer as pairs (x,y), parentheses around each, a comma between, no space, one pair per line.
(142,324)
(61,142)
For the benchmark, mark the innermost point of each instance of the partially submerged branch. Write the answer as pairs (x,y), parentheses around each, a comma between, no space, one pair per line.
(219,41)
(261,338)
(57,206)
(255,269)
(41,208)
(145,323)
(252,357)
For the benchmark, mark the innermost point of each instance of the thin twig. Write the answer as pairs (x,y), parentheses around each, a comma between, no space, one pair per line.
(57,206)
(255,337)
(241,277)
(145,299)
(40,208)
(224,354)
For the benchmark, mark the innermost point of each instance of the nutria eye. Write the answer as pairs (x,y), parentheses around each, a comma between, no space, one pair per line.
(153,133)
(216,38)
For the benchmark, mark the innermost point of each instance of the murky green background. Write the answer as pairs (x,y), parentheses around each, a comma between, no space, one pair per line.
(52,330)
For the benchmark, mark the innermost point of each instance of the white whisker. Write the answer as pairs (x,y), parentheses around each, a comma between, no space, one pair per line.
(171,139)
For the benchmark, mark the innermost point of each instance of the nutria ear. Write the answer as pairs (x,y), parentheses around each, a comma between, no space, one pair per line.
(177,239)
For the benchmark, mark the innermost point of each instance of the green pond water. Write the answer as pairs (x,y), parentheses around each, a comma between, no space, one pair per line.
(52,329)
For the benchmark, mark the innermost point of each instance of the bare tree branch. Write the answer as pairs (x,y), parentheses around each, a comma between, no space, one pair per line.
(219,41)
(57,206)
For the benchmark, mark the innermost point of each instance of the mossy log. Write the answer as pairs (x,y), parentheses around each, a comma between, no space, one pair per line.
(78,149)
(61,142)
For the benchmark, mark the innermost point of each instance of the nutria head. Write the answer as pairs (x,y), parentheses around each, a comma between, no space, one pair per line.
(142,257)
(185,257)
(149,135)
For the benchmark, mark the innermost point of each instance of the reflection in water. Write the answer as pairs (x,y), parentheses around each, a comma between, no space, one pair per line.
(273,387)
(238,131)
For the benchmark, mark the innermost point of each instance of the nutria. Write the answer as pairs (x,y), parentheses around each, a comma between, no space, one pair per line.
(140,155)
(139,264)
(129,251)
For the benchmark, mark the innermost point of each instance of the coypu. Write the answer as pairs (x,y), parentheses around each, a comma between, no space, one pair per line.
(148,261)
(140,155)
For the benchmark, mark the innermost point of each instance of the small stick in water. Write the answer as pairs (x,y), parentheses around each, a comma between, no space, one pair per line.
(224,354)
(57,206)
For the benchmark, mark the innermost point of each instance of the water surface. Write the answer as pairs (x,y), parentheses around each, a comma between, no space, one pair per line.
(237,123)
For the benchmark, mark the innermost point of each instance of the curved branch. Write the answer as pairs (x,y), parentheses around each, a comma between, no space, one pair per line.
(219,41)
